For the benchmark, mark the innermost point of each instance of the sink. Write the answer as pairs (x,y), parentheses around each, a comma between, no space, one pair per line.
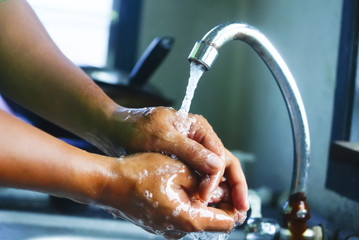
(29,215)
(16,225)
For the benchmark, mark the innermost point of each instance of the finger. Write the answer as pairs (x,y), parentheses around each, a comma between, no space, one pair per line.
(239,217)
(202,132)
(238,184)
(194,154)
(221,194)
(188,182)
(199,217)
(209,184)
(215,219)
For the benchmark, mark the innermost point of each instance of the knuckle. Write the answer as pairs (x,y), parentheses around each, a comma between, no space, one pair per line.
(202,119)
(197,153)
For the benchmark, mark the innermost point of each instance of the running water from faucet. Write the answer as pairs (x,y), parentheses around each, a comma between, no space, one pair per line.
(196,72)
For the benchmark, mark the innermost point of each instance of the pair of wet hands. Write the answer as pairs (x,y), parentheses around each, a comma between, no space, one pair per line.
(163,195)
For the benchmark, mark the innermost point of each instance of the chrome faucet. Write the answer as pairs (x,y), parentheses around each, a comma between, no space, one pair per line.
(205,53)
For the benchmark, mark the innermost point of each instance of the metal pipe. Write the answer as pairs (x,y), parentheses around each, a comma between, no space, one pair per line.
(205,53)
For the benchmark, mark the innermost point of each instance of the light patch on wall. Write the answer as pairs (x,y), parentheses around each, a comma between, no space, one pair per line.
(79,28)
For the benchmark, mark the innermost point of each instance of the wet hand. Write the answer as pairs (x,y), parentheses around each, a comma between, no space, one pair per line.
(192,140)
(163,130)
(160,195)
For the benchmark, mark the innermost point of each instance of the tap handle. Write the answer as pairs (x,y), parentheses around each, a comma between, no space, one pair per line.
(296,214)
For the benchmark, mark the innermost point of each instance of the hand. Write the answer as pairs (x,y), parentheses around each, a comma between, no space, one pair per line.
(160,195)
(163,130)
(150,189)
(192,140)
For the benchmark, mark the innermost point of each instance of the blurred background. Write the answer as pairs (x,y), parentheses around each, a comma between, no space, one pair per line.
(238,96)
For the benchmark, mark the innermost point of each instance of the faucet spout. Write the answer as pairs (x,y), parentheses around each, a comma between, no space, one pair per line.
(205,53)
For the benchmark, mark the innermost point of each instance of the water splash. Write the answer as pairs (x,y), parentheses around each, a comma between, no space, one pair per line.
(196,72)
(206,236)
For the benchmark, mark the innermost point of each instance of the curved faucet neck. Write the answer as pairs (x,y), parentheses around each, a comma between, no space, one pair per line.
(205,53)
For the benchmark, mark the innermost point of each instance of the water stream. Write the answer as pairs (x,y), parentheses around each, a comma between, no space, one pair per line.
(196,72)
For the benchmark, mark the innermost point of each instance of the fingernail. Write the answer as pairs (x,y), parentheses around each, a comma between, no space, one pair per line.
(247,203)
(214,161)
(241,217)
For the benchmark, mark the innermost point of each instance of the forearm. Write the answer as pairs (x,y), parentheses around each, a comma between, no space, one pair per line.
(31,159)
(37,75)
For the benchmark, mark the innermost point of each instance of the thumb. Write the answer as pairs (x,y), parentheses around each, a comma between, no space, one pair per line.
(196,155)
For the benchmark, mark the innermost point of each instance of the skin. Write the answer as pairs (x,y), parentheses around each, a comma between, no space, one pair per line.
(172,205)
(162,130)
(35,73)
(120,185)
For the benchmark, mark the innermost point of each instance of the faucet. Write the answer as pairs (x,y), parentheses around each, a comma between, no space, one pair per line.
(295,210)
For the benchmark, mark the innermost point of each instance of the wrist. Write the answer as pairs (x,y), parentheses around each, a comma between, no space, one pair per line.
(104,127)
(114,136)
(115,184)
(103,117)
(91,173)
(127,128)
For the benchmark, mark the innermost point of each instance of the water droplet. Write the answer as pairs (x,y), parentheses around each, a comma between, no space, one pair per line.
(170,227)
(158,232)
(148,194)
(174,157)
(175,212)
